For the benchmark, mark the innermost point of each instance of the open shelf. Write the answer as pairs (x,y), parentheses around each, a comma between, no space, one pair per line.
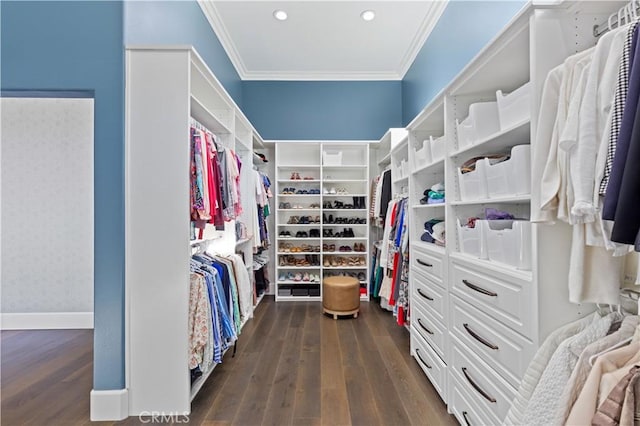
(432,168)
(358,166)
(503,140)
(519,199)
(344,195)
(428,206)
(344,180)
(340,173)
(401,180)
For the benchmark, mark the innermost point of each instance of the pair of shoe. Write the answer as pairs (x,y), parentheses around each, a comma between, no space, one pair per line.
(328,247)
(359,203)
(295,176)
(285,234)
(342,205)
(302,234)
(345,233)
(314,206)
(359,247)
(314,233)
(345,249)
(285,206)
(331,191)
(288,191)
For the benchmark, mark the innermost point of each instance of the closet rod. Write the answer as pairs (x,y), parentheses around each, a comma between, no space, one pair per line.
(628,12)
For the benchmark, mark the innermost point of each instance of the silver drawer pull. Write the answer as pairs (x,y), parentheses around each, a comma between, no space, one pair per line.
(430,299)
(423,263)
(466,420)
(478,338)
(479,289)
(423,327)
(478,388)
(422,360)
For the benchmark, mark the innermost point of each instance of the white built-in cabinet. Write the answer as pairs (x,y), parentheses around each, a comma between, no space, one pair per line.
(167,87)
(322,185)
(481,306)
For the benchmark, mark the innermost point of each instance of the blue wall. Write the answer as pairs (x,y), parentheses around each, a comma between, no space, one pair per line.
(181,22)
(54,45)
(463,30)
(339,110)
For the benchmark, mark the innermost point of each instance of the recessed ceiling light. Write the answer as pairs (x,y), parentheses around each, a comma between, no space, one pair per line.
(368,15)
(280,15)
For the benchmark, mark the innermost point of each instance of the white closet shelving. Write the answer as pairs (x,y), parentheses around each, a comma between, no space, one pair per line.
(166,88)
(337,174)
(475,322)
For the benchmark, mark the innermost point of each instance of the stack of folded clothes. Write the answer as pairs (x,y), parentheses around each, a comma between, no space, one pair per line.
(433,195)
(434,232)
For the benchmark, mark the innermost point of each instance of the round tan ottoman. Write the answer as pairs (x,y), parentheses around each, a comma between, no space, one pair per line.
(341,296)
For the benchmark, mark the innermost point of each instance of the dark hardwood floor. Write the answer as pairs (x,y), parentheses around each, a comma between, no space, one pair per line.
(293,366)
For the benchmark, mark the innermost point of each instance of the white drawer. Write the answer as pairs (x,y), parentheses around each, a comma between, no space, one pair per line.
(431,295)
(463,406)
(431,364)
(506,298)
(427,263)
(433,331)
(489,391)
(503,349)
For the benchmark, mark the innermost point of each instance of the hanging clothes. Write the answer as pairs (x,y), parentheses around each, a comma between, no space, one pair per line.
(596,392)
(220,302)
(570,156)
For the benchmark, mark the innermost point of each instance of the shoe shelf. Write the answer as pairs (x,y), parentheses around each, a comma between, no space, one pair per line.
(299,267)
(342,225)
(339,184)
(337,268)
(298,238)
(344,253)
(345,195)
(345,210)
(343,180)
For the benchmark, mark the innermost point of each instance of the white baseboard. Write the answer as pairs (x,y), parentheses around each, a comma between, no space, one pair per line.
(46,321)
(109,405)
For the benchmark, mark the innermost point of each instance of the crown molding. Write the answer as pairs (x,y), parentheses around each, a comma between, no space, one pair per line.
(320,76)
(428,24)
(217,24)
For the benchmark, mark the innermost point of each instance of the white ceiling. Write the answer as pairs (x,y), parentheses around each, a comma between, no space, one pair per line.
(322,40)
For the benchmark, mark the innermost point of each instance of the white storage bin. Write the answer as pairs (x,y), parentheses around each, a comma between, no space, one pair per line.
(422,156)
(509,242)
(512,177)
(332,158)
(473,185)
(471,240)
(514,107)
(482,122)
(438,148)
